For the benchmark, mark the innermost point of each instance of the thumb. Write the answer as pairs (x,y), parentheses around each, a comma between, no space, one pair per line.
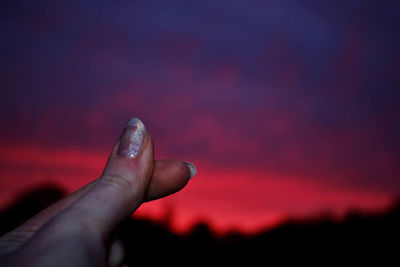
(123,185)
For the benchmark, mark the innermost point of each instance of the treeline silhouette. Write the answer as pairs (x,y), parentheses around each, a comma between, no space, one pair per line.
(360,237)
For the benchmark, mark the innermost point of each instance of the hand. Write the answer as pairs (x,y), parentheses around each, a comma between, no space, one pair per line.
(79,229)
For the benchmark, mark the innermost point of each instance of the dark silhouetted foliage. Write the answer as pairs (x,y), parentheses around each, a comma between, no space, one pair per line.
(358,238)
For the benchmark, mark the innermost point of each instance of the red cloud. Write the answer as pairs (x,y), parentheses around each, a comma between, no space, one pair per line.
(227,198)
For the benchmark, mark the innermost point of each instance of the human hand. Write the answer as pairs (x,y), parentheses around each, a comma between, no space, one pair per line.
(79,229)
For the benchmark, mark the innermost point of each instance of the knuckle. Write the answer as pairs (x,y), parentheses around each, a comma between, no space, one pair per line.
(118,182)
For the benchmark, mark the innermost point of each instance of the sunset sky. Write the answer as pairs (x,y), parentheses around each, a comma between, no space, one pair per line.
(287,108)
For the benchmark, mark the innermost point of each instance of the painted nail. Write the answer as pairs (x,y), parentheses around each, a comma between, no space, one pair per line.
(192,169)
(132,139)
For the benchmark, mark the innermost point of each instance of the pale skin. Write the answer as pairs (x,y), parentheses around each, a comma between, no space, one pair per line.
(79,230)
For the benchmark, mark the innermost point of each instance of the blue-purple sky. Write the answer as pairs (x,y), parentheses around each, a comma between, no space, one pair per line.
(305,90)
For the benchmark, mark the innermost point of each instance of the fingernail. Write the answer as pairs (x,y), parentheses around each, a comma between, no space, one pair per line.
(192,169)
(132,139)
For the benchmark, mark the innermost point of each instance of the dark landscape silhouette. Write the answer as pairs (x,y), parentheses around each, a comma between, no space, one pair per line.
(360,237)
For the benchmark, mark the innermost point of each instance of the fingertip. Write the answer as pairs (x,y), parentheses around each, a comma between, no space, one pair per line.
(181,170)
(124,182)
(169,176)
(192,169)
(132,140)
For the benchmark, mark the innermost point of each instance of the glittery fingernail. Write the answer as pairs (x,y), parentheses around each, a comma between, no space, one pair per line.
(132,139)
(192,169)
